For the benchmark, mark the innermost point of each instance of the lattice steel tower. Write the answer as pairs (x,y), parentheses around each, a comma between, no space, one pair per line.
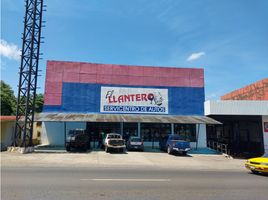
(28,73)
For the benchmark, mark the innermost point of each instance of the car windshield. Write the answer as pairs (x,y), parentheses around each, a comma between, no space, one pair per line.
(265,155)
(113,136)
(135,140)
(176,137)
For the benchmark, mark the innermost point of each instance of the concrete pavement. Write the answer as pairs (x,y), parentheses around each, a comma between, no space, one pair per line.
(129,159)
(129,183)
(134,175)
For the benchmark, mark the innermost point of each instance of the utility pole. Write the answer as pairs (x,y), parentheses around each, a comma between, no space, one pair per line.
(28,74)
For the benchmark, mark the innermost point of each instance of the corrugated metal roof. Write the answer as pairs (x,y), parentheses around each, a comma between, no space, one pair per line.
(77,117)
(236,107)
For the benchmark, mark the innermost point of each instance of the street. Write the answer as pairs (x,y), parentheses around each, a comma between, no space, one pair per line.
(127,183)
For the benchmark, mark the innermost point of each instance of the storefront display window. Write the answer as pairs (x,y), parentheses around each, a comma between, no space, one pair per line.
(98,130)
(130,130)
(187,131)
(151,132)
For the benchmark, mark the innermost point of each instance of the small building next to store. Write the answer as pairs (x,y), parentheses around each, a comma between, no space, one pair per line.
(244,117)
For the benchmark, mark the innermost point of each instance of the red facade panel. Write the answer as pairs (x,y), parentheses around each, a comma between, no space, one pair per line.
(71,77)
(120,70)
(255,91)
(104,79)
(88,70)
(195,82)
(136,80)
(53,76)
(136,71)
(150,71)
(87,78)
(52,99)
(104,69)
(53,87)
(121,80)
(71,67)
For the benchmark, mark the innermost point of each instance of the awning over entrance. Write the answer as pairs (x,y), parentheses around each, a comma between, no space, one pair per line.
(79,117)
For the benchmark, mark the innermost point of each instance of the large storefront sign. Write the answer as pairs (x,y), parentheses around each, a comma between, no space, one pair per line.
(134,100)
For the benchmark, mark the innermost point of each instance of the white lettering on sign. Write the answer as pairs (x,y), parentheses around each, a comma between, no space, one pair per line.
(134,100)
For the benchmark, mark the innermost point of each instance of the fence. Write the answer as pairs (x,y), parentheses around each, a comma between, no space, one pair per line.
(220,147)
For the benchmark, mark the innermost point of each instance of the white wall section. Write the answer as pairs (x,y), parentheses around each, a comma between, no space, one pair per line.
(230,107)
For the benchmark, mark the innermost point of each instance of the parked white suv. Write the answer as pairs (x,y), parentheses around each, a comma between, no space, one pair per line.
(114,141)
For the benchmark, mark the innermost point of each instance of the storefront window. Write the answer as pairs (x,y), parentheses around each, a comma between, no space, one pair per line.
(130,130)
(151,132)
(98,130)
(186,131)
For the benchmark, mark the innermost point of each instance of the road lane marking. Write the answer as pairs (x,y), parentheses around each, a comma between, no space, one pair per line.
(127,179)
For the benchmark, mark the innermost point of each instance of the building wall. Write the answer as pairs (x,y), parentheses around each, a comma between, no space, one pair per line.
(265,133)
(255,91)
(234,107)
(7,133)
(76,87)
(202,137)
(53,133)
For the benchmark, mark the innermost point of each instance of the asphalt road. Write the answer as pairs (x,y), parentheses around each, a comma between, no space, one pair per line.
(127,184)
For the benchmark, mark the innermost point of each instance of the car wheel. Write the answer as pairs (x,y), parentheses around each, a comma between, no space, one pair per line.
(106,149)
(184,153)
(68,148)
(169,151)
(85,148)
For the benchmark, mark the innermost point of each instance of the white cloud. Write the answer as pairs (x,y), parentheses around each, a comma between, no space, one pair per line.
(195,56)
(9,50)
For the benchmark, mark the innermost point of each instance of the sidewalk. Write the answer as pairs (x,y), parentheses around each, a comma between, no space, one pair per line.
(129,159)
(62,149)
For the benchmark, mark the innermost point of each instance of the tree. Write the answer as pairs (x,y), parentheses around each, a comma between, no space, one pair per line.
(39,102)
(8,100)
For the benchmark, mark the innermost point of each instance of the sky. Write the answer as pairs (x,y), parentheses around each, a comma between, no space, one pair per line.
(228,38)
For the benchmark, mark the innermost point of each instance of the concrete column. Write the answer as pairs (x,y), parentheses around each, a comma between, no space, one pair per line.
(172,129)
(121,128)
(139,129)
(64,133)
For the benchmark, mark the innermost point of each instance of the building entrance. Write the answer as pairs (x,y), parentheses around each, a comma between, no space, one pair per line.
(242,134)
(98,131)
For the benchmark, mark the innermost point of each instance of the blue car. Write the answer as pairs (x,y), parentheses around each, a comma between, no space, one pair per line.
(174,143)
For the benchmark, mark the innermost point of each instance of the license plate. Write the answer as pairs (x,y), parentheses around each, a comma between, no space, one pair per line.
(135,147)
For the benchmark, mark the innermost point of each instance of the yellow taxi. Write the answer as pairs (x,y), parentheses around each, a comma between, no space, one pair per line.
(258,165)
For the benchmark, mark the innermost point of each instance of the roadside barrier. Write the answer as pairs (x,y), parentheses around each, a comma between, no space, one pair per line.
(217,146)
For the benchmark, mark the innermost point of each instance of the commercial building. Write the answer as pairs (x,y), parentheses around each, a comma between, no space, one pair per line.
(8,124)
(139,101)
(244,114)
(7,130)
